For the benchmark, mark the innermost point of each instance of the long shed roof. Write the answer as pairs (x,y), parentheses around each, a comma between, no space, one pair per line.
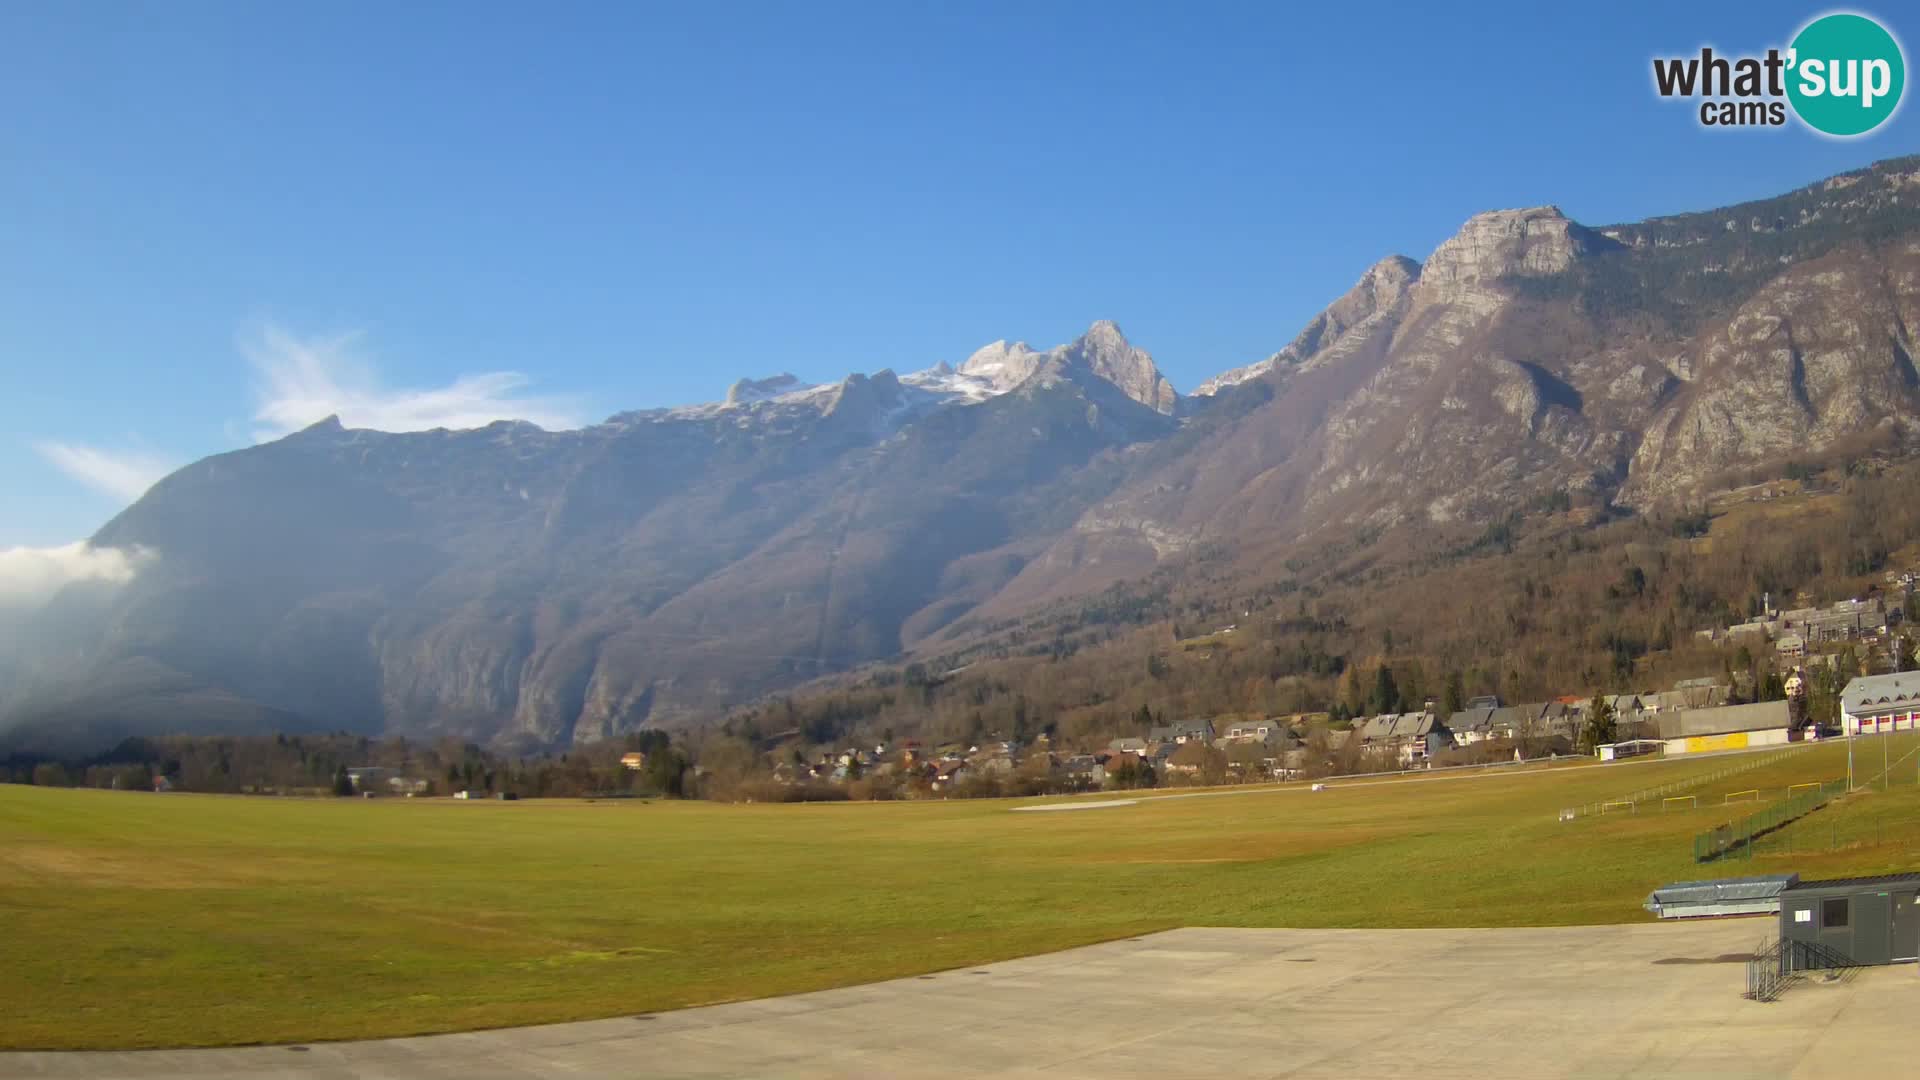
(1871,693)
(1859,882)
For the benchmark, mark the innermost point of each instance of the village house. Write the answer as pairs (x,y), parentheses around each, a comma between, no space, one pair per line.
(995,762)
(1299,760)
(1190,758)
(1845,620)
(947,773)
(1705,693)
(1268,732)
(1084,771)
(1182,731)
(1471,726)
(1257,747)
(1512,721)
(1413,737)
(1623,704)
(1115,763)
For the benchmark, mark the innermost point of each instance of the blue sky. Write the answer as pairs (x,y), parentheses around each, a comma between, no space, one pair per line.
(219,217)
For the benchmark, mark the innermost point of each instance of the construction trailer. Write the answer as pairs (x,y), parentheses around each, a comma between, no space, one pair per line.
(1847,922)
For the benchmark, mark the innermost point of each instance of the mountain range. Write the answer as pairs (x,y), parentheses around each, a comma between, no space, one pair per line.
(545,588)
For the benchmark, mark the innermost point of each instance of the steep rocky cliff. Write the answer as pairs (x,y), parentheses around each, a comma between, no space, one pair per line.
(1531,355)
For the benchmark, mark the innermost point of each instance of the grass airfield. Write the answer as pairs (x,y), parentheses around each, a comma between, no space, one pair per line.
(137,920)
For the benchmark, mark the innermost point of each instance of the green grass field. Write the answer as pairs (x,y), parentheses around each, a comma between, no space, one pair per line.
(135,920)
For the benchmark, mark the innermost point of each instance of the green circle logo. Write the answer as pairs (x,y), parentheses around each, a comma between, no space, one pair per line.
(1846,74)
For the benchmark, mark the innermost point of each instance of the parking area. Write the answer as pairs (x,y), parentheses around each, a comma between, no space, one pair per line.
(1646,1000)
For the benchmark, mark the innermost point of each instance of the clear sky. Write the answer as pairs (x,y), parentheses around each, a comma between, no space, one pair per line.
(218,218)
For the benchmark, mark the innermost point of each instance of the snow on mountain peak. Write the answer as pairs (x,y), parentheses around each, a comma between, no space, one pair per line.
(1005,365)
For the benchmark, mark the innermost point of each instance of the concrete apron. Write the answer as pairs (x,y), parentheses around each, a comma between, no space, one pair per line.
(1645,1000)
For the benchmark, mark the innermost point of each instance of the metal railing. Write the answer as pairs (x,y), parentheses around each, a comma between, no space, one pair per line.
(1776,965)
(1738,835)
(1766,972)
(1813,956)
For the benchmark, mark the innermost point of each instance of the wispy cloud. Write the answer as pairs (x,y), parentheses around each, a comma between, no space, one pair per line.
(124,475)
(29,576)
(303,380)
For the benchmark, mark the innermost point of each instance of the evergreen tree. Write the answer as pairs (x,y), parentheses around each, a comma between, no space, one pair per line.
(1454,698)
(1601,728)
(1773,687)
(1386,694)
(1847,663)
(342,783)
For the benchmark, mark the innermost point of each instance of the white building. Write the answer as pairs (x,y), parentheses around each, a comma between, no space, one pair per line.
(1873,704)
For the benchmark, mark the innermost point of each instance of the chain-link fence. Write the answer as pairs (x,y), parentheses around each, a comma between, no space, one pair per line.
(1817,836)
(1736,837)
(1785,828)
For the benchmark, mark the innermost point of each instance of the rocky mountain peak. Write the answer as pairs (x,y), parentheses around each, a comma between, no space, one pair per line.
(864,399)
(1106,334)
(747,391)
(1105,351)
(1387,278)
(1102,351)
(1003,364)
(1533,241)
(1379,290)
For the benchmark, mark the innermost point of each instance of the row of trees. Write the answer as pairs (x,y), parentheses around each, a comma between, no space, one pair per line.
(318,765)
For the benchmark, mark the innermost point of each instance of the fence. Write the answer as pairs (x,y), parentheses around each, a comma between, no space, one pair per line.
(1815,838)
(1721,839)
(1746,763)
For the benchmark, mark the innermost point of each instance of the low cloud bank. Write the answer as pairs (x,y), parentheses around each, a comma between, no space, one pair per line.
(29,577)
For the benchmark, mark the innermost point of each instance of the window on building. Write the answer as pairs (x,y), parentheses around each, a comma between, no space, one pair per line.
(1833,913)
